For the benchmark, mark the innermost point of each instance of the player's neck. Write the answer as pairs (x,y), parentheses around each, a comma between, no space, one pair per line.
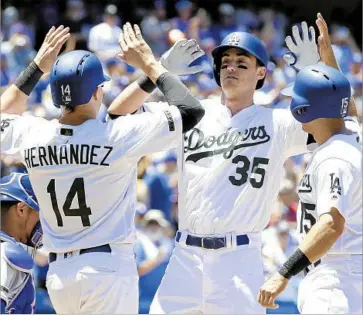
(75,119)
(326,132)
(9,229)
(237,104)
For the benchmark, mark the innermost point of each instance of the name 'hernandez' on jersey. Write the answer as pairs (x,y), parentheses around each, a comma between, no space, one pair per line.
(233,166)
(84,176)
(333,178)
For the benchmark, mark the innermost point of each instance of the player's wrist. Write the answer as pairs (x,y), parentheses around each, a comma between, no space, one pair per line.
(29,78)
(296,263)
(146,84)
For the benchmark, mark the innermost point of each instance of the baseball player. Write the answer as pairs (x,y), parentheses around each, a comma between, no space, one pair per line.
(233,163)
(20,227)
(329,216)
(84,175)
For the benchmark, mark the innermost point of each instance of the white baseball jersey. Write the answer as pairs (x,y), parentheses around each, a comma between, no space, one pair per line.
(333,179)
(233,167)
(84,176)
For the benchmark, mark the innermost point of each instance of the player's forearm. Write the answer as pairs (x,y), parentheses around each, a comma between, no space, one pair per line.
(14,99)
(154,70)
(322,237)
(129,100)
(316,244)
(135,95)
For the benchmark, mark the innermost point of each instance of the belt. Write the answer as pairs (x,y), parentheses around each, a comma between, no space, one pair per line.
(212,242)
(312,266)
(98,249)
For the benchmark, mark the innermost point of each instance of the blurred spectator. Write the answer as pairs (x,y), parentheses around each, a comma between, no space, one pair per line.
(289,199)
(207,87)
(4,71)
(10,17)
(43,304)
(283,74)
(247,18)
(269,94)
(343,46)
(185,10)
(12,24)
(155,28)
(76,18)
(227,16)
(19,54)
(158,186)
(117,71)
(103,38)
(153,251)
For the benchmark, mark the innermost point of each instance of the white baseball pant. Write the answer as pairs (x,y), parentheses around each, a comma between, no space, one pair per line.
(96,283)
(333,287)
(223,281)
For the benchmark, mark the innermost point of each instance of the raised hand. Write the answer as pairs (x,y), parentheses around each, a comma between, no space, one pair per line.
(178,58)
(303,49)
(51,47)
(325,47)
(135,51)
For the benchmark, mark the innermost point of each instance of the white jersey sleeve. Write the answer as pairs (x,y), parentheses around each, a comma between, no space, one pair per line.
(12,130)
(148,132)
(335,178)
(352,124)
(295,137)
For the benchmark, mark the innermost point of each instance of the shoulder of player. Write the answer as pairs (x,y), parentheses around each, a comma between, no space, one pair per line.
(330,160)
(16,257)
(23,120)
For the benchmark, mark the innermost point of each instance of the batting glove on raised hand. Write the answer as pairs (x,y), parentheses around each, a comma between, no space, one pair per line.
(178,58)
(303,50)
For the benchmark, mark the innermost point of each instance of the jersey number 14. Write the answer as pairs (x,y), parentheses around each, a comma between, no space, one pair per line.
(82,211)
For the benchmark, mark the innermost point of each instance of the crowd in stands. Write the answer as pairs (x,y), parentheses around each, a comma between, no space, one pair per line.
(96,27)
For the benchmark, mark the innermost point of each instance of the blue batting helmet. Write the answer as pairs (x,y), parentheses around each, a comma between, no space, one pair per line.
(319,91)
(74,78)
(244,41)
(17,187)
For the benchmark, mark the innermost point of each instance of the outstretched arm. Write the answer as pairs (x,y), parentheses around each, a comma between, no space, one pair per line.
(137,53)
(13,100)
(304,50)
(176,60)
(327,54)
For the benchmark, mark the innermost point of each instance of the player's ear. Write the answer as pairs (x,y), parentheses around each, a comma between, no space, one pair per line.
(261,73)
(98,93)
(22,209)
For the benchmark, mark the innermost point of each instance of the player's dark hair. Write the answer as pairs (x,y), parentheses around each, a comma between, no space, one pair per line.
(5,207)
(259,63)
(70,109)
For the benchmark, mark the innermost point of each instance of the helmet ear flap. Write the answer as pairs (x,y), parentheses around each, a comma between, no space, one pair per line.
(217,70)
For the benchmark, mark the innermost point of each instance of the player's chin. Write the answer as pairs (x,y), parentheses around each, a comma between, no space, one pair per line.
(229,82)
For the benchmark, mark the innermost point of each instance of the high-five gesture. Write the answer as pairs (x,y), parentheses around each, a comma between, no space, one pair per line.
(325,47)
(303,47)
(135,51)
(51,47)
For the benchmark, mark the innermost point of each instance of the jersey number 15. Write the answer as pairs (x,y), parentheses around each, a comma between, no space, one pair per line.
(82,211)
